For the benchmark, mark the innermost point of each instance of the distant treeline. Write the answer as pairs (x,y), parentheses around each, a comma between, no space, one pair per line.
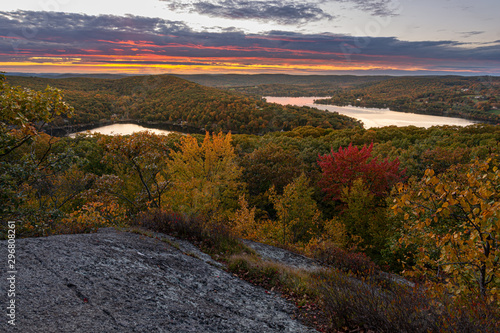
(476,98)
(282,84)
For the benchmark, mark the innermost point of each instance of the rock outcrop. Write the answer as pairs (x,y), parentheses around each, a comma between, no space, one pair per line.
(114,281)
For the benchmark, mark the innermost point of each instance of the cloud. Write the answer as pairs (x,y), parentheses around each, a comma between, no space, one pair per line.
(79,39)
(467,34)
(282,12)
(286,12)
(376,7)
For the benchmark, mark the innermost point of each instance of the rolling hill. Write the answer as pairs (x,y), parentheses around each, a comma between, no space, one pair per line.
(164,99)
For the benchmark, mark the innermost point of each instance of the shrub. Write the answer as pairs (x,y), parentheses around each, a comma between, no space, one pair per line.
(370,306)
(92,216)
(357,304)
(170,223)
(214,237)
(33,223)
(255,271)
(357,263)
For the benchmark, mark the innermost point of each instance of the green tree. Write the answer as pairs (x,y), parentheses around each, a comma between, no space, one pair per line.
(298,214)
(24,111)
(365,220)
(269,165)
(31,173)
(140,160)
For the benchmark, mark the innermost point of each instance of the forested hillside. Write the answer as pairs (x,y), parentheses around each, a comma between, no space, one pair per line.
(282,84)
(168,99)
(476,98)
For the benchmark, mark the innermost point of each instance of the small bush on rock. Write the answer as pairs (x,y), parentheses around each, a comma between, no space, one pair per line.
(357,263)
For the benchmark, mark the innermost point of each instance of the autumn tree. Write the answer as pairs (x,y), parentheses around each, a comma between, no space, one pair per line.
(269,165)
(340,169)
(243,221)
(452,220)
(205,177)
(140,160)
(98,206)
(361,183)
(24,167)
(298,214)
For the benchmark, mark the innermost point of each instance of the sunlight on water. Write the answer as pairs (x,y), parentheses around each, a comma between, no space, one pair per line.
(122,129)
(374,117)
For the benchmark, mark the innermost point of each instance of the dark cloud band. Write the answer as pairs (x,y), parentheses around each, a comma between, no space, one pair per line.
(283,12)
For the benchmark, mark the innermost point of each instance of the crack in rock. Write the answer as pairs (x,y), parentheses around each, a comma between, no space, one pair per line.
(77,292)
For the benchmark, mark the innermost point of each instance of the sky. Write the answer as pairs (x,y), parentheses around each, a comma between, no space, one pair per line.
(362,37)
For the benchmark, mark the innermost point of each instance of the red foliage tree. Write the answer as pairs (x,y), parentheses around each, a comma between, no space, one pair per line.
(340,169)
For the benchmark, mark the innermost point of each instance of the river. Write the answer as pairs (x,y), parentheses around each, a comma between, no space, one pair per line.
(372,117)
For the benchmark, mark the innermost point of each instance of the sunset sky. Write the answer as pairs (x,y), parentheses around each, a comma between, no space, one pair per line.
(232,36)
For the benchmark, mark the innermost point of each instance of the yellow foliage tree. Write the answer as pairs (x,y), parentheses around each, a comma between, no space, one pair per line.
(453,222)
(205,177)
(334,231)
(243,221)
(245,225)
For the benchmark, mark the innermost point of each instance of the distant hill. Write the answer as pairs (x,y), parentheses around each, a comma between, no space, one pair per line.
(176,101)
(70,75)
(282,84)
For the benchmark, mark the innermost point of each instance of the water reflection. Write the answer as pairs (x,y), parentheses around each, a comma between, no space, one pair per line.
(122,129)
(372,117)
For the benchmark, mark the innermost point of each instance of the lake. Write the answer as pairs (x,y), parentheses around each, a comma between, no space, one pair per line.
(122,129)
(372,117)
